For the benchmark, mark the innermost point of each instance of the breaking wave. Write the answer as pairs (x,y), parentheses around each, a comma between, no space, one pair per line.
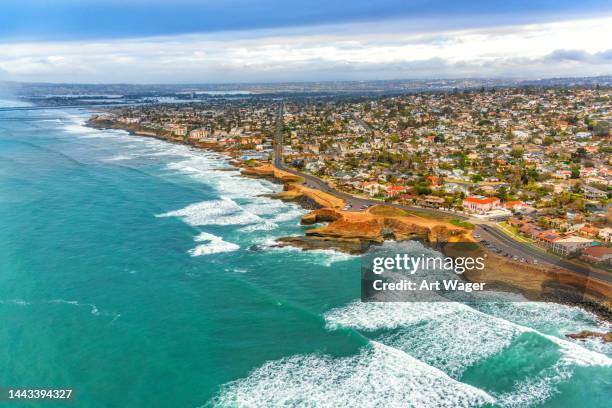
(213,245)
(379,376)
(215,212)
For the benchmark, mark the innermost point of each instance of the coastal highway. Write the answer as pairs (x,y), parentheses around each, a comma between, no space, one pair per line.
(529,252)
(487,230)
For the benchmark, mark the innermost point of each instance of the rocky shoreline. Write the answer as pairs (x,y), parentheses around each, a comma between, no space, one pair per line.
(356,232)
(348,231)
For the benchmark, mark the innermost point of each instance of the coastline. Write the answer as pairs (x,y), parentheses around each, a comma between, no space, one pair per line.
(356,232)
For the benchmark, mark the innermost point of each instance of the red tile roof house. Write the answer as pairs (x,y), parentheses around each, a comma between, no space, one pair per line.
(548,238)
(516,222)
(434,180)
(563,245)
(530,230)
(589,232)
(514,205)
(481,204)
(394,191)
(597,254)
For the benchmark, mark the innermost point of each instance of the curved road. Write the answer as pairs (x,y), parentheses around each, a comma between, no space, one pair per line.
(487,231)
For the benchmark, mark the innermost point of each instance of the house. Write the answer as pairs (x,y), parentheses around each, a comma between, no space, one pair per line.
(605,234)
(199,134)
(431,201)
(394,191)
(372,188)
(515,205)
(588,231)
(597,254)
(588,172)
(564,245)
(434,180)
(481,204)
(531,230)
(593,193)
(583,135)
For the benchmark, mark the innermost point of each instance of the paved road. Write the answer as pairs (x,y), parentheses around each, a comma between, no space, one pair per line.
(529,252)
(486,229)
(361,122)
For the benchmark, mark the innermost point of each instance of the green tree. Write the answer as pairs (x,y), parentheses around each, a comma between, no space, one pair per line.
(575,172)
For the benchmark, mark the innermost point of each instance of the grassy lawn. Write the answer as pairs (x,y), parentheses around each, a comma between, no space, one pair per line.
(298,180)
(429,214)
(462,224)
(387,211)
(513,232)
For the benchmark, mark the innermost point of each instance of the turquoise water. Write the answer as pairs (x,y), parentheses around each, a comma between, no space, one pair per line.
(126,274)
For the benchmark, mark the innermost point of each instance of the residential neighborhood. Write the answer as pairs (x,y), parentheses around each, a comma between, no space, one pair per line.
(536,160)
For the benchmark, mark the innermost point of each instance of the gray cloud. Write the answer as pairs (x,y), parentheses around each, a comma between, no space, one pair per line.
(560,49)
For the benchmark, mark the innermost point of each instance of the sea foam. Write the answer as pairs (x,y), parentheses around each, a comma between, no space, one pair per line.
(215,212)
(213,245)
(378,376)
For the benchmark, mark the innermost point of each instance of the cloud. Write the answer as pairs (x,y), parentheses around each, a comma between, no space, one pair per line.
(355,51)
(569,55)
(579,56)
(104,19)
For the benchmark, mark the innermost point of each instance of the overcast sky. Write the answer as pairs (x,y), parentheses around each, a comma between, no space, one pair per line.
(188,41)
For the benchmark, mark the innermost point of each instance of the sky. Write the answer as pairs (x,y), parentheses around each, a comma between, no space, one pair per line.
(221,41)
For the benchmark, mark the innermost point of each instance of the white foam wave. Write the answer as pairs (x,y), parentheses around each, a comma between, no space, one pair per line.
(379,376)
(375,315)
(215,212)
(266,206)
(577,354)
(325,257)
(213,245)
(264,226)
(288,215)
(212,170)
(535,390)
(330,256)
(451,336)
(546,316)
(120,157)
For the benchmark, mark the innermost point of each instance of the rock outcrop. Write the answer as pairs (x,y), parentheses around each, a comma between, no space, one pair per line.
(355,232)
(586,334)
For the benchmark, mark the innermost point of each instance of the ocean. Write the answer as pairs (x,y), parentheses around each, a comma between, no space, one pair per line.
(140,273)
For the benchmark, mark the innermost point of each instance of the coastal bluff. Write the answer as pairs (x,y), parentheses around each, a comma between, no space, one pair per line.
(356,232)
(351,231)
